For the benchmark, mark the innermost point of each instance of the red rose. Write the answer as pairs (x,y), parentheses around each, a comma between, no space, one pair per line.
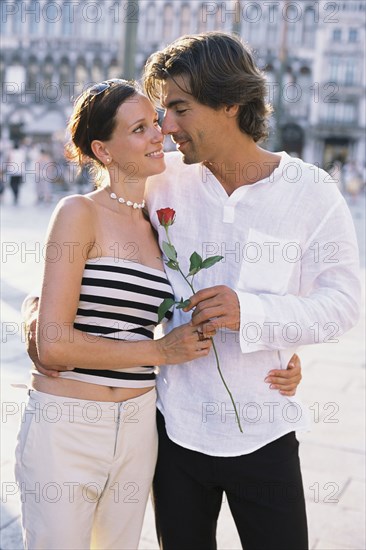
(166,216)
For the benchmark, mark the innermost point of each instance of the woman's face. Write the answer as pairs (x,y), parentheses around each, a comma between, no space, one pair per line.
(136,145)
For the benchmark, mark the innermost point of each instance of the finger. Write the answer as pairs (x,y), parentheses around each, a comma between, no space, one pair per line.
(209,333)
(283,382)
(288,393)
(294,372)
(201,336)
(209,303)
(48,372)
(280,383)
(205,343)
(61,368)
(207,314)
(200,296)
(208,329)
(294,361)
(283,387)
(58,368)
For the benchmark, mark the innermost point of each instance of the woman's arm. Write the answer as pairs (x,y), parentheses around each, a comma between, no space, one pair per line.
(70,239)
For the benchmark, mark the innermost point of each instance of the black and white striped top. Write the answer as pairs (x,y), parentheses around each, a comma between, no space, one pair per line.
(119,299)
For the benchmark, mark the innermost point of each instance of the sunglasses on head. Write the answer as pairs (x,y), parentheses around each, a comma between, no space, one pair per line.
(98,89)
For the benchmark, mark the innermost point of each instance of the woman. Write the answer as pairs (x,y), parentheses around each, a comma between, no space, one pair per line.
(88,440)
(106,280)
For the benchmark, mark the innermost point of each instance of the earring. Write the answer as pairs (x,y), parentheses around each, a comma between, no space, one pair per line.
(108,160)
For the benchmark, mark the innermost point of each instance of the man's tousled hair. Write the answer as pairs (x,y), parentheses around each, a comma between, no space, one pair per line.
(219,70)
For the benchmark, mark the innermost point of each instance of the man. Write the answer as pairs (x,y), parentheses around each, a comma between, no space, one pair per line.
(15,166)
(289,276)
(278,286)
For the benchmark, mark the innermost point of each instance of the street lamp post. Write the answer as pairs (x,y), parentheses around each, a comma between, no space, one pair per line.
(280,73)
(130,42)
(236,28)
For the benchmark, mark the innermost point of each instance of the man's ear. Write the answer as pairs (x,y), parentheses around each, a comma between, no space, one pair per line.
(231,110)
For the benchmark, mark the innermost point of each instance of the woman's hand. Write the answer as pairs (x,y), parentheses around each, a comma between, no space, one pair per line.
(286,381)
(184,343)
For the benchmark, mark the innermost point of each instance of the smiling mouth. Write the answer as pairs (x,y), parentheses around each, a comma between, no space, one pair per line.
(156,154)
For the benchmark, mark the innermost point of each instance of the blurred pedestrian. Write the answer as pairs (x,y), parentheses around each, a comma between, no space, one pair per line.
(2,184)
(335,172)
(2,176)
(83,180)
(43,184)
(15,168)
(352,179)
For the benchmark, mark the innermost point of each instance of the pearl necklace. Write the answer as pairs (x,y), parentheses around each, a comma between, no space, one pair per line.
(128,203)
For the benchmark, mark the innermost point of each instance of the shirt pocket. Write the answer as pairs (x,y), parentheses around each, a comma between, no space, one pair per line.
(268,263)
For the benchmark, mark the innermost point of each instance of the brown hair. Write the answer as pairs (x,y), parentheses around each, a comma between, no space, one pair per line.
(94,117)
(220,71)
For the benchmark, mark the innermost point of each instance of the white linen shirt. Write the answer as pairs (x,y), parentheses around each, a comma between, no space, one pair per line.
(290,253)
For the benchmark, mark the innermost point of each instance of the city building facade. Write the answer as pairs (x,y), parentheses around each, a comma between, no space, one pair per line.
(312,52)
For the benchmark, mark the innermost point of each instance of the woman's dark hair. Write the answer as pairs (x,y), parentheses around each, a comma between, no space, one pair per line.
(220,70)
(94,117)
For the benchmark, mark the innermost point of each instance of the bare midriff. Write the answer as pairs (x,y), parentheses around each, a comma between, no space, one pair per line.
(75,389)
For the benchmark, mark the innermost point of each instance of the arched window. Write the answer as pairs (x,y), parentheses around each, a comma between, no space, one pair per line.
(4,23)
(150,22)
(64,71)
(114,69)
(48,70)
(309,28)
(68,19)
(253,24)
(2,69)
(89,16)
(51,14)
(272,26)
(81,76)
(330,112)
(99,20)
(292,23)
(32,73)
(97,73)
(168,23)
(350,73)
(304,83)
(334,68)
(219,17)
(353,36)
(17,70)
(16,16)
(185,19)
(202,19)
(34,17)
(272,89)
(349,113)
(337,35)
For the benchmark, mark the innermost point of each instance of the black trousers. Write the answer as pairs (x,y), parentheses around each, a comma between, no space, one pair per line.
(15,183)
(264,491)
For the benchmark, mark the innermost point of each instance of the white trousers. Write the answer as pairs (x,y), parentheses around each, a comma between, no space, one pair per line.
(84,470)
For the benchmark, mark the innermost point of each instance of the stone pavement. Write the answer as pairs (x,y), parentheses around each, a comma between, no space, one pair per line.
(333,387)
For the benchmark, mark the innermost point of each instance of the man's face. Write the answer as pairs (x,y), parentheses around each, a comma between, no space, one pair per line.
(195,128)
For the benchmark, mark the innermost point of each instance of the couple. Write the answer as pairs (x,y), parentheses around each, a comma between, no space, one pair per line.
(255,208)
